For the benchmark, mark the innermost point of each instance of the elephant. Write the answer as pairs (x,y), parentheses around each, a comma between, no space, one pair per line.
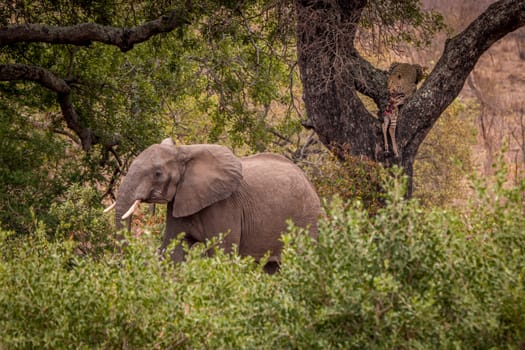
(208,190)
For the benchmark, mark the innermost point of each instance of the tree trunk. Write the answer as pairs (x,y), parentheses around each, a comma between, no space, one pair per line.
(326,52)
(332,72)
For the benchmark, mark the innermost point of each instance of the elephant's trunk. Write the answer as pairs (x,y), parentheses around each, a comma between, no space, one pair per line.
(125,200)
(119,211)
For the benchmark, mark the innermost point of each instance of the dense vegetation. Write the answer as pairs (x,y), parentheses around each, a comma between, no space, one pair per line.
(216,80)
(386,272)
(408,277)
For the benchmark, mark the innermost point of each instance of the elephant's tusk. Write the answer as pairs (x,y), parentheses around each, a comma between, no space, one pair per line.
(110,207)
(131,209)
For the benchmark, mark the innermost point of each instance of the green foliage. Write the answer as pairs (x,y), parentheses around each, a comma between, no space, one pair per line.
(233,74)
(78,217)
(82,302)
(407,277)
(352,179)
(395,22)
(411,278)
(28,168)
(212,80)
(132,301)
(444,158)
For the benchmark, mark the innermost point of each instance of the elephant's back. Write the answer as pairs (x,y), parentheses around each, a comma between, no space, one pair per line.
(269,162)
(276,175)
(256,159)
(280,190)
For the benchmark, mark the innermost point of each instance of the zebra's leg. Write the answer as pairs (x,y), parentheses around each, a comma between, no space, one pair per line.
(392,132)
(384,126)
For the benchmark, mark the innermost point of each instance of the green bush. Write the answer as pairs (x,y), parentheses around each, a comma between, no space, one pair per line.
(78,216)
(411,278)
(351,179)
(53,299)
(28,161)
(405,278)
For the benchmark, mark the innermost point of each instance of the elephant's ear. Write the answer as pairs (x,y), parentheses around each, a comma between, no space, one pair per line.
(212,174)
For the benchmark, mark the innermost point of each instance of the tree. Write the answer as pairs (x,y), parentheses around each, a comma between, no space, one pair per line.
(333,72)
(96,82)
(80,35)
(209,48)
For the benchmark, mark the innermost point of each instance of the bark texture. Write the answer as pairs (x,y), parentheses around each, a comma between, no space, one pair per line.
(85,33)
(332,73)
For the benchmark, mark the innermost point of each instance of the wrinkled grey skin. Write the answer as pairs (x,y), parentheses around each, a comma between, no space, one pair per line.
(208,191)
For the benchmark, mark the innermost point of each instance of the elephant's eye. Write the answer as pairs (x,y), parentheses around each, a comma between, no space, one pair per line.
(158,173)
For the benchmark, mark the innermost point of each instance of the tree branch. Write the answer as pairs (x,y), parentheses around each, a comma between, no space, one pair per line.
(85,33)
(370,81)
(81,34)
(10,72)
(13,72)
(87,137)
(448,77)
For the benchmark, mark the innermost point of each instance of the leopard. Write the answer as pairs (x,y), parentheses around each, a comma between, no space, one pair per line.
(402,84)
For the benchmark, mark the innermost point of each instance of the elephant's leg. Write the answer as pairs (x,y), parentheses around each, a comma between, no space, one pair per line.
(224,218)
(271,267)
(384,127)
(174,226)
(177,254)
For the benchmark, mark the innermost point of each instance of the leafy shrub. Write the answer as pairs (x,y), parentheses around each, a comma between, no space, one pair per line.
(444,158)
(407,277)
(53,299)
(351,179)
(28,179)
(80,218)
(410,278)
